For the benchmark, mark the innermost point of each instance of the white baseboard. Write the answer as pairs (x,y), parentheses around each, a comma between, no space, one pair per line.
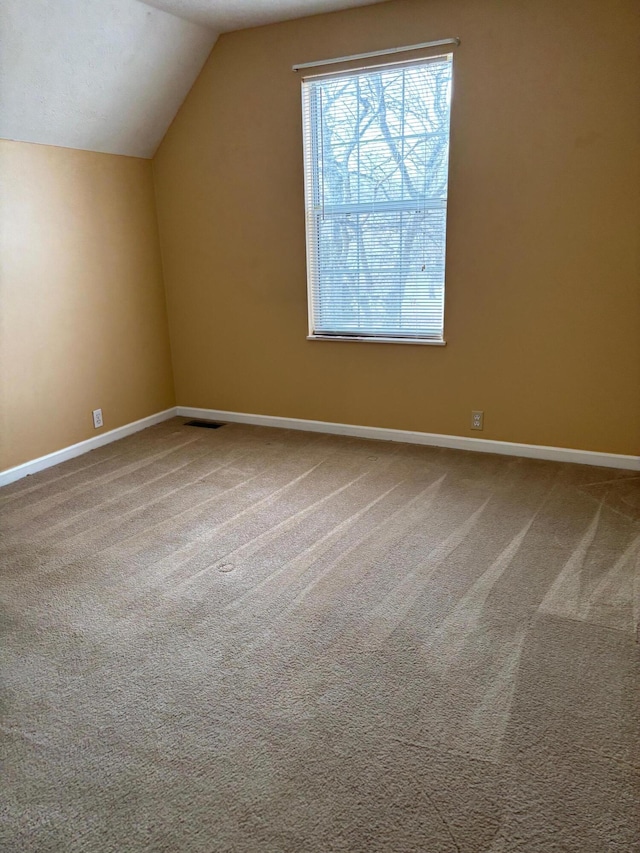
(458,442)
(58,456)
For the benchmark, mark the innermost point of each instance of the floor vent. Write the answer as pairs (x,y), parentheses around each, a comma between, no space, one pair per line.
(205,424)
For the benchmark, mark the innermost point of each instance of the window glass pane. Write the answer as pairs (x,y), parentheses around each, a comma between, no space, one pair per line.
(380,273)
(376,156)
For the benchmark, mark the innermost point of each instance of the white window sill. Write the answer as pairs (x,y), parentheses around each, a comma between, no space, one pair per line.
(372,340)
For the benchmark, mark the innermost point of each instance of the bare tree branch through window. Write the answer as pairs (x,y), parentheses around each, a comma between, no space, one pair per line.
(376,154)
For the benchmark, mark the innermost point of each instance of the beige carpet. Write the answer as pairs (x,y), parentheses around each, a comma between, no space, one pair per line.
(261,640)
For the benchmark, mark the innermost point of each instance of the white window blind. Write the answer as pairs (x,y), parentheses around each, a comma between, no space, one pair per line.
(376,148)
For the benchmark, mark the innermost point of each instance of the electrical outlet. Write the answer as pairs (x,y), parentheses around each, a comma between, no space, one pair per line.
(97,418)
(477,420)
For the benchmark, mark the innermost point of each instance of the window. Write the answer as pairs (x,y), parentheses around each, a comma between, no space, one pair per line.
(376,147)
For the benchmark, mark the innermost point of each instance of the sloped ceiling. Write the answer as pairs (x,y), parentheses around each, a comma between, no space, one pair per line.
(227,15)
(104,75)
(110,75)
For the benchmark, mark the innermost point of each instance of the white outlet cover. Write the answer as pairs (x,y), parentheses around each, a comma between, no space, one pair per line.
(97,418)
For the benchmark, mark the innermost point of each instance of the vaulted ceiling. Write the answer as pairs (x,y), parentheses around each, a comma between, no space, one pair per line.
(110,75)
(226,15)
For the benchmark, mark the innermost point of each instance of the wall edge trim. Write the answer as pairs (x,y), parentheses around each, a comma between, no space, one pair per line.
(456,442)
(10,475)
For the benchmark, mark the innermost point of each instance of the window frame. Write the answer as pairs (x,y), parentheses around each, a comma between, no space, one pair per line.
(309,151)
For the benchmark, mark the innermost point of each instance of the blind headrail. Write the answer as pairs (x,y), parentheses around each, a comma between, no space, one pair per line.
(388,52)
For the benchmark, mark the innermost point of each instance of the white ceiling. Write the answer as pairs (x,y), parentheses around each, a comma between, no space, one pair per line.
(110,75)
(227,15)
(104,75)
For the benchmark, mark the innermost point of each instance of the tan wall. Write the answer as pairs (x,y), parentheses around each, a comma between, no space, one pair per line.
(82,309)
(543,295)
